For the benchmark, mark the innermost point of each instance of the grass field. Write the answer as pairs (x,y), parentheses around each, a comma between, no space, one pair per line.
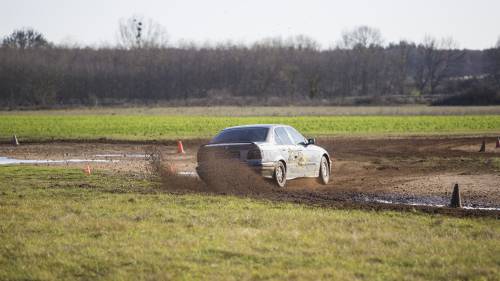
(58,224)
(158,127)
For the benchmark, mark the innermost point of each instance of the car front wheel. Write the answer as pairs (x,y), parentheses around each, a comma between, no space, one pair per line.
(280,175)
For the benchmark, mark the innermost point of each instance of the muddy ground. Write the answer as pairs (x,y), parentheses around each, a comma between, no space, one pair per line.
(370,171)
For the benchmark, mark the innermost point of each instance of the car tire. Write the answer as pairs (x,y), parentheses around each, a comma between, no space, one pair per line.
(279,175)
(324,171)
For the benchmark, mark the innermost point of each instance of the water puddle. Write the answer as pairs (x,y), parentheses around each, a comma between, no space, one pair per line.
(114,155)
(13,161)
(428,201)
(188,174)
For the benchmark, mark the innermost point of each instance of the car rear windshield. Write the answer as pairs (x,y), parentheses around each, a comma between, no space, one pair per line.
(241,135)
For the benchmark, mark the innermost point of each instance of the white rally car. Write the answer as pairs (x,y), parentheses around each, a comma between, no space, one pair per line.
(278,152)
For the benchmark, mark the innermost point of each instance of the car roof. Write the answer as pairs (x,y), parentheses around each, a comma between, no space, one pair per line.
(268,126)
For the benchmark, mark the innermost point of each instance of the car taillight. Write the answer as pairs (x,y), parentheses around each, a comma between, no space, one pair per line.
(254,154)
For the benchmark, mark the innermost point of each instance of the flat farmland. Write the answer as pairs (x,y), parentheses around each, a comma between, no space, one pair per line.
(163,127)
(383,215)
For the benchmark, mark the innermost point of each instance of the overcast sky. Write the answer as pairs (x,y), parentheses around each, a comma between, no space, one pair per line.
(475,24)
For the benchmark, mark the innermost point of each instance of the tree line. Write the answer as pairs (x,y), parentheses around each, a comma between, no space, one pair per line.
(144,69)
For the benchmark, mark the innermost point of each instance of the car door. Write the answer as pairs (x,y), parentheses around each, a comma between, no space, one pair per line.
(307,163)
(287,149)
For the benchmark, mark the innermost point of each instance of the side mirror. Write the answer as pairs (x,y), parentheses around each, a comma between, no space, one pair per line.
(311,141)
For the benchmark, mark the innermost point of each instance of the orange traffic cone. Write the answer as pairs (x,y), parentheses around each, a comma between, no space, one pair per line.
(498,143)
(87,170)
(180,148)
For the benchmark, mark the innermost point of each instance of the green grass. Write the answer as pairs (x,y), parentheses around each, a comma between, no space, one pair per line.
(134,127)
(58,224)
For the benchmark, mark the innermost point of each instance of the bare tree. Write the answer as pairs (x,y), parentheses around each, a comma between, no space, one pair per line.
(436,57)
(25,38)
(298,42)
(361,36)
(302,42)
(398,65)
(493,66)
(269,42)
(366,45)
(137,32)
(282,71)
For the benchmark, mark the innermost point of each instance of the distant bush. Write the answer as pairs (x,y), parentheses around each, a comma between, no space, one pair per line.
(478,95)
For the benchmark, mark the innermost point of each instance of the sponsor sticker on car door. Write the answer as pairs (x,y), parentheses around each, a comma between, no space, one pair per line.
(305,161)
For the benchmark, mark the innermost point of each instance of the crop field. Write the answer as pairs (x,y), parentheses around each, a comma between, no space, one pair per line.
(135,127)
(57,223)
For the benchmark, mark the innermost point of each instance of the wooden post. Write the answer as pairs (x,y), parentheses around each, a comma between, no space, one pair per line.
(483,147)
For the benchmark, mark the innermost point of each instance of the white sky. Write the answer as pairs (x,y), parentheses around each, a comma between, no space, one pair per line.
(475,24)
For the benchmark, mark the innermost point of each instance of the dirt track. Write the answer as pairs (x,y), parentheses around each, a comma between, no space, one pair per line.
(417,167)
(407,169)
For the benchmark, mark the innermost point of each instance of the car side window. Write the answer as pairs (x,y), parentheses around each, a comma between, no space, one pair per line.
(296,136)
(277,138)
(283,138)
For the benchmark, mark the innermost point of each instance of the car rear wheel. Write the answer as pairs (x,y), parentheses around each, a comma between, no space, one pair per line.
(324,171)
(280,175)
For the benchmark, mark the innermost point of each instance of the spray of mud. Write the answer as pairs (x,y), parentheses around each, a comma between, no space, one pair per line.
(160,168)
(222,177)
